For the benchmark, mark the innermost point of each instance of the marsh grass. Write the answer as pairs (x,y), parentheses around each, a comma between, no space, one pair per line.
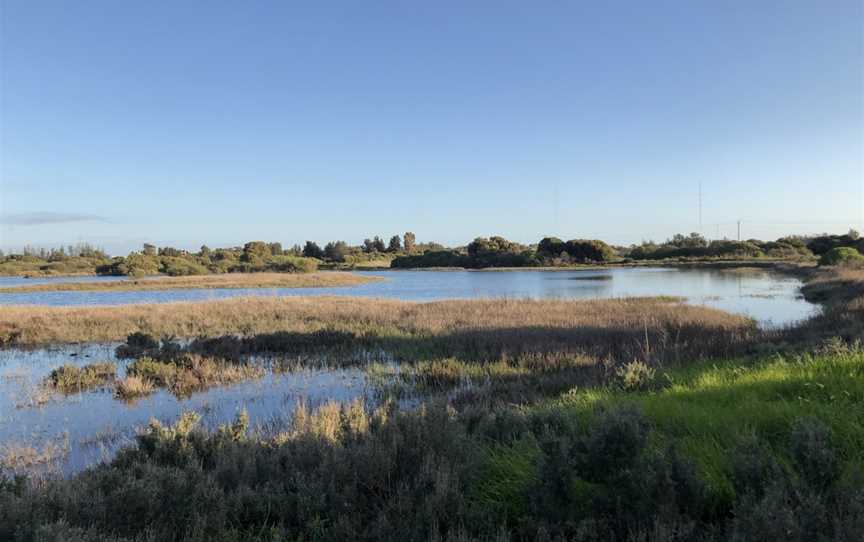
(70,379)
(769,450)
(133,387)
(708,411)
(227,280)
(182,375)
(551,441)
(649,329)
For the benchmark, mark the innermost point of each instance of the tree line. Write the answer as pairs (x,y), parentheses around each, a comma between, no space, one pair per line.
(405,252)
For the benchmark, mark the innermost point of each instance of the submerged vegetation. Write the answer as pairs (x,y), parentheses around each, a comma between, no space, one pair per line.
(73,379)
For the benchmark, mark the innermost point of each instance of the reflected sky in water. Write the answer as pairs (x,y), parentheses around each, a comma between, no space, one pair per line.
(770,298)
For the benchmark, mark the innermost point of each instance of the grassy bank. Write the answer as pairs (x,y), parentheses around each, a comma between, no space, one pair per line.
(229,280)
(766,449)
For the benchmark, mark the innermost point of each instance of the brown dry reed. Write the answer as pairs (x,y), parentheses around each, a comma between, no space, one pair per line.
(324,279)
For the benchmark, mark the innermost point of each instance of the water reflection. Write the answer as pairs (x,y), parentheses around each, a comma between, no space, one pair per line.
(767,297)
(53,432)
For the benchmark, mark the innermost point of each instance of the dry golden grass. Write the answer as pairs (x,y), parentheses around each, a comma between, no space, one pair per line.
(132,387)
(33,325)
(322,279)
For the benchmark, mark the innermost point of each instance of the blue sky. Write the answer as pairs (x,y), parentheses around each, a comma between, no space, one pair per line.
(219,122)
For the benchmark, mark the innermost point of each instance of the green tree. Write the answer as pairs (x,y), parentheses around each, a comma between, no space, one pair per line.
(312,250)
(395,244)
(255,252)
(335,251)
(550,247)
(149,250)
(378,243)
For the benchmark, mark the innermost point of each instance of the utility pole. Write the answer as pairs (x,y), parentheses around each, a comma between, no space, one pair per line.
(739,230)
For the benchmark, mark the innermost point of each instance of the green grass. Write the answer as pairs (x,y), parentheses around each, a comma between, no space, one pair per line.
(706,411)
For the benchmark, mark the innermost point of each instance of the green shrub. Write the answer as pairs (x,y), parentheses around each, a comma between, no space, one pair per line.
(178,267)
(635,376)
(842,256)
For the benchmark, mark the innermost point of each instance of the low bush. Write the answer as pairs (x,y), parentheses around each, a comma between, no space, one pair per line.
(842,256)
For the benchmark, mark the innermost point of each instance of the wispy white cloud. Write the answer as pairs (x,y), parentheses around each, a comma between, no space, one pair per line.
(47,217)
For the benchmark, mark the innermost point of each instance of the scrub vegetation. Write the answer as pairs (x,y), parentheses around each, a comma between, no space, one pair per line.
(470,327)
(73,379)
(404,251)
(629,420)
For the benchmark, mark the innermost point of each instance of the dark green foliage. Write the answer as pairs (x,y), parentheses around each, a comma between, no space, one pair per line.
(437,258)
(841,256)
(824,243)
(806,500)
(550,247)
(395,244)
(335,251)
(586,251)
(695,246)
(137,344)
(312,250)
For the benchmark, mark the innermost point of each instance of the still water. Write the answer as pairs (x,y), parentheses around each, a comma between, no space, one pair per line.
(51,432)
(769,298)
(42,431)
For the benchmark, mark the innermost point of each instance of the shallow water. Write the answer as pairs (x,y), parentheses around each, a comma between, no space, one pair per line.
(769,298)
(75,431)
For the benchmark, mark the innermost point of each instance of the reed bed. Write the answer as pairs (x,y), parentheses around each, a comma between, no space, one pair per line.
(38,325)
(73,379)
(326,279)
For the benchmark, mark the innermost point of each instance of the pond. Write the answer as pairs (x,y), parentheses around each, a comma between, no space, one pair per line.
(770,298)
(49,432)
(44,431)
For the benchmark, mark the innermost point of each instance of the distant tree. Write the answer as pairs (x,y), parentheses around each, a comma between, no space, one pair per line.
(589,250)
(276,249)
(170,251)
(368,246)
(378,243)
(149,250)
(409,241)
(205,252)
(395,244)
(550,247)
(255,252)
(296,250)
(335,251)
(481,246)
(694,240)
(312,250)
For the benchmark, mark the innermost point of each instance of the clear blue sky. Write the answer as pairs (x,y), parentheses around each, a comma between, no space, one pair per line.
(220,122)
